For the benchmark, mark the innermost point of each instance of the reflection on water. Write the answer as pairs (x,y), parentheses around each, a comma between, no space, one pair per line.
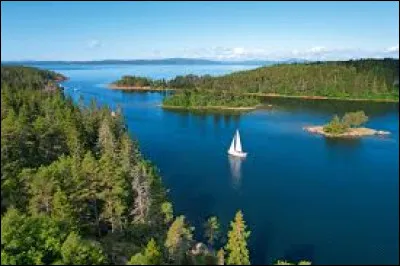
(236,170)
(350,143)
(372,109)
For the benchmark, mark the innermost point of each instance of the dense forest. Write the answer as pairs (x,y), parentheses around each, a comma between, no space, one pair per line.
(134,81)
(365,78)
(353,79)
(76,189)
(204,99)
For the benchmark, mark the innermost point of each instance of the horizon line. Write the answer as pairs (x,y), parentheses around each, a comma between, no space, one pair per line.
(198,58)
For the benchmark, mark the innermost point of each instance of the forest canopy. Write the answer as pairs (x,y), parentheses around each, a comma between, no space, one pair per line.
(362,78)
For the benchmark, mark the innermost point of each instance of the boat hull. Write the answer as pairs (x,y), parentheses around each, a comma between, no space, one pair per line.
(237,154)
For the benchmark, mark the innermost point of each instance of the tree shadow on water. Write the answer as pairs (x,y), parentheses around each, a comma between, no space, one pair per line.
(343,142)
(300,252)
(259,247)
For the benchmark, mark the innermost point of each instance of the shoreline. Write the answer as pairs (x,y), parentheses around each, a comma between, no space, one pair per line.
(133,88)
(264,95)
(351,133)
(210,108)
(305,97)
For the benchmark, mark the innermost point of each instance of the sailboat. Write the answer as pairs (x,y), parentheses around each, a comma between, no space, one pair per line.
(236,147)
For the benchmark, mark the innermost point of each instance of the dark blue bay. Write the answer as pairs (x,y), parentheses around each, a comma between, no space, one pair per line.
(303,197)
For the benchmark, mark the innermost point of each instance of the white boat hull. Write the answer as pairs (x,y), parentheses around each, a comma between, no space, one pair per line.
(237,154)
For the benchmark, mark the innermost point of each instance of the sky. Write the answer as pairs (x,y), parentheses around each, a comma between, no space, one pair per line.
(211,30)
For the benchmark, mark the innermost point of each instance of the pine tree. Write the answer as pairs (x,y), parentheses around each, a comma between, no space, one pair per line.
(141,188)
(238,254)
(138,259)
(76,251)
(221,256)
(166,209)
(114,193)
(62,210)
(89,188)
(179,238)
(150,256)
(106,140)
(152,253)
(212,230)
(41,189)
(128,153)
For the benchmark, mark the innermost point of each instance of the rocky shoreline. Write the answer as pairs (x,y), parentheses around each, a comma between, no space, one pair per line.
(352,132)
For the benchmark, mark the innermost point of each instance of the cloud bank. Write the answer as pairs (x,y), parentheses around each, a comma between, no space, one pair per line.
(313,53)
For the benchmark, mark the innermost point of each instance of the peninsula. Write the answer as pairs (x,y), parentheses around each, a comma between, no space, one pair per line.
(353,80)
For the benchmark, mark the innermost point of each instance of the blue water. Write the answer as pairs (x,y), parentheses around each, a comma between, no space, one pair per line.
(303,197)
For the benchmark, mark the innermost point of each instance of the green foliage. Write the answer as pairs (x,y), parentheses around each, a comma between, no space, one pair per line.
(354,119)
(134,81)
(151,256)
(30,240)
(71,167)
(238,254)
(179,239)
(152,253)
(167,211)
(335,126)
(204,99)
(221,256)
(138,259)
(339,126)
(62,209)
(28,77)
(364,78)
(212,230)
(76,251)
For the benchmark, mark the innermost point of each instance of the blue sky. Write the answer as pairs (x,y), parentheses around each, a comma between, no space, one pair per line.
(213,30)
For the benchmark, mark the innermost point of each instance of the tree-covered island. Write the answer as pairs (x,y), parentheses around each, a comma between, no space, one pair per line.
(347,126)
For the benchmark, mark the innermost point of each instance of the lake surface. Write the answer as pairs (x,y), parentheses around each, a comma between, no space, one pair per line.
(303,196)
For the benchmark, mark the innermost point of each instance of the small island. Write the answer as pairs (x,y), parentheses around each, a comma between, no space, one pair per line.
(348,126)
(136,83)
(206,100)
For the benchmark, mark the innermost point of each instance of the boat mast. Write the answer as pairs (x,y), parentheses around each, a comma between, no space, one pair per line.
(238,146)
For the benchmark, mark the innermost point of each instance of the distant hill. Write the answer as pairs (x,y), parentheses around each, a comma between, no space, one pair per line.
(361,79)
(166,61)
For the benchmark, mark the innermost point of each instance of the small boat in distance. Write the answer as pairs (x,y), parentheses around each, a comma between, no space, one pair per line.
(236,147)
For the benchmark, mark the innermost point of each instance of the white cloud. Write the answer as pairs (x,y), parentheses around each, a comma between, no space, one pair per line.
(312,53)
(393,49)
(317,50)
(94,44)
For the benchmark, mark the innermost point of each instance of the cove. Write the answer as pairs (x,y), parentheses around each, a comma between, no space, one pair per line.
(303,196)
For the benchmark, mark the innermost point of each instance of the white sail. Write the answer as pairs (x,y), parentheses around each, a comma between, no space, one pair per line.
(238,146)
(232,147)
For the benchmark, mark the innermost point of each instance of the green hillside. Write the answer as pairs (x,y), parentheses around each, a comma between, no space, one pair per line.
(366,78)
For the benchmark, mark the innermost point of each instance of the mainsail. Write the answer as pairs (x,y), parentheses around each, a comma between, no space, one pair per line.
(232,147)
(238,146)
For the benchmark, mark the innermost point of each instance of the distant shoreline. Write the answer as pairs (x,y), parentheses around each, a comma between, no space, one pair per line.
(263,95)
(136,88)
(210,108)
(305,97)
